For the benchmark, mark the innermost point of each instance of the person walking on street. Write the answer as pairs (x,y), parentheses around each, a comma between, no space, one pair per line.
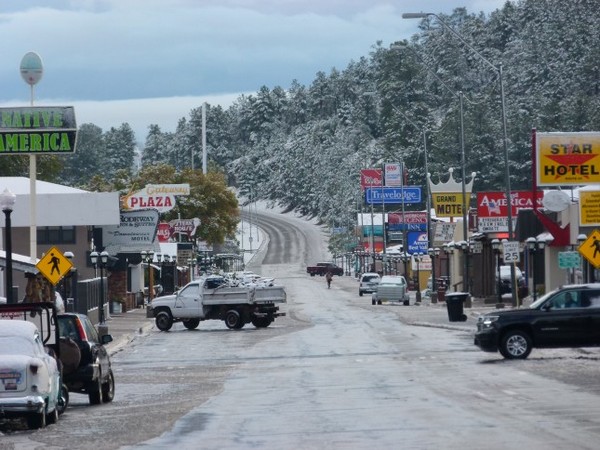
(329,277)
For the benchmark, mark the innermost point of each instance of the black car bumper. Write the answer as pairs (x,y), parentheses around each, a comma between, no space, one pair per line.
(486,340)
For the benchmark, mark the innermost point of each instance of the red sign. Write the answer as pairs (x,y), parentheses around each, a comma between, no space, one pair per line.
(164,232)
(494,204)
(370,177)
(408,216)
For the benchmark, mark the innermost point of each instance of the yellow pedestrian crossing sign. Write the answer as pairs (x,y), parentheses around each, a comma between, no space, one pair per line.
(590,248)
(54,265)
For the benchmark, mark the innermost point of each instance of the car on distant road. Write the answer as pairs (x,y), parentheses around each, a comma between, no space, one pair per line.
(566,317)
(30,380)
(323,267)
(368,283)
(86,364)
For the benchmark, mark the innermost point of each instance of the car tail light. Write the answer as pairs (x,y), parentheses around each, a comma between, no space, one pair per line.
(80,330)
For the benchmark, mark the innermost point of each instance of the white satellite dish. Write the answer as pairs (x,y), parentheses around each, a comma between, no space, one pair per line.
(556,200)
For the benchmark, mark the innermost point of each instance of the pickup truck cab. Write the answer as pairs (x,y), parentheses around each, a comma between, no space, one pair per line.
(211,298)
(323,267)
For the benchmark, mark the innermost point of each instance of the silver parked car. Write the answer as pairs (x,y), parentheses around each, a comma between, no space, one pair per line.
(368,283)
(30,381)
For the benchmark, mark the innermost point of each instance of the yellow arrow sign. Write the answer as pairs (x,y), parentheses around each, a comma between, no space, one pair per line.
(590,248)
(54,265)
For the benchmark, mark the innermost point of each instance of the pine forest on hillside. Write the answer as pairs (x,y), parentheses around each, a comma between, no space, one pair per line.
(303,147)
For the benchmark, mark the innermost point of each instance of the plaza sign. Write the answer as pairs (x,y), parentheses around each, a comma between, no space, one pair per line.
(158,196)
(37,130)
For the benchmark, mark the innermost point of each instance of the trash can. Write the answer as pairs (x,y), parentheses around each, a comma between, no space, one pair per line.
(455,303)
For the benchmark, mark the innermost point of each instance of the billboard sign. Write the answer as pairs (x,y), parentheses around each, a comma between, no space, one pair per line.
(393,174)
(589,208)
(389,195)
(135,232)
(417,242)
(37,130)
(492,208)
(568,159)
(407,221)
(370,177)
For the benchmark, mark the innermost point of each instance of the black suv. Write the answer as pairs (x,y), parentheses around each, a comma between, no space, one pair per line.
(566,317)
(86,364)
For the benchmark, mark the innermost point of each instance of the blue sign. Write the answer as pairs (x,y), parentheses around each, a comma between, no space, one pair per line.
(417,242)
(393,195)
(407,227)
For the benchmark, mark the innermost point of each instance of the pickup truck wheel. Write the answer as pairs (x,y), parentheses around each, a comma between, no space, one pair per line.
(108,388)
(312,274)
(515,344)
(262,322)
(191,324)
(360,293)
(373,301)
(63,399)
(233,320)
(164,321)
(94,391)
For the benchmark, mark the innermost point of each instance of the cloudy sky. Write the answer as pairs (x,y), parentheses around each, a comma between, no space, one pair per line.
(151,61)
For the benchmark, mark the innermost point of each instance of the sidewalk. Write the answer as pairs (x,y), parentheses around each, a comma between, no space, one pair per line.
(125,327)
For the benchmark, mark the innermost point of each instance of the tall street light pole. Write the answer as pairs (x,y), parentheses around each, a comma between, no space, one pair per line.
(7,201)
(498,70)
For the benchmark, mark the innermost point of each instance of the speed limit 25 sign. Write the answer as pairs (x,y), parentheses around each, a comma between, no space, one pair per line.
(511,252)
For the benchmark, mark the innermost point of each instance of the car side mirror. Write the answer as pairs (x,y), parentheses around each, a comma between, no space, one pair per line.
(106,338)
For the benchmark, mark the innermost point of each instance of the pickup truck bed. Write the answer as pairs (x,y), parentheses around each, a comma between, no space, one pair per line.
(227,295)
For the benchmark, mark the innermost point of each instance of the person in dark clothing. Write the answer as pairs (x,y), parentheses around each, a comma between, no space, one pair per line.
(329,277)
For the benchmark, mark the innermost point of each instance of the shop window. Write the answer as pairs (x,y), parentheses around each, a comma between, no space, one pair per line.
(55,235)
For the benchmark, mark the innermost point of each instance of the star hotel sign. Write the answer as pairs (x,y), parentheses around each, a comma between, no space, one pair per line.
(568,158)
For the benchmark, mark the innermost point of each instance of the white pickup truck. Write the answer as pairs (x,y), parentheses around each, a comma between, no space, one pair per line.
(210,298)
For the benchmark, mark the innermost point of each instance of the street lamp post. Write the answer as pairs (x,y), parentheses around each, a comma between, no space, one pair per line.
(580,240)
(534,245)
(498,70)
(449,251)
(405,257)
(7,201)
(496,247)
(148,257)
(433,254)
(466,248)
(99,261)
(418,257)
